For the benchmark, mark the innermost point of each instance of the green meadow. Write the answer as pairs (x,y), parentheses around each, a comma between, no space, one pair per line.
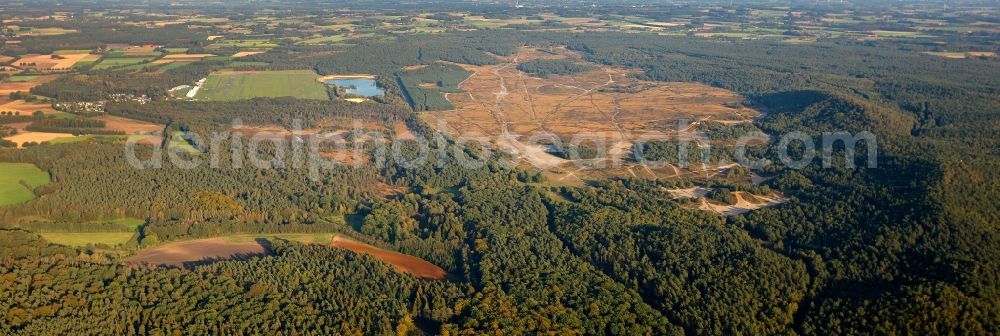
(228,86)
(17,180)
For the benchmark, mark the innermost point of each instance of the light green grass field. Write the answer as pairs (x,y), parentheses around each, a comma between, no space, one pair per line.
(131,223)
(114,62)
(172,65)
(246,44)
(12,191)
(22,78)
(71,51)
(85,238)
(235,64)
(228,86)
(86,138)
(83,64)
(177,141)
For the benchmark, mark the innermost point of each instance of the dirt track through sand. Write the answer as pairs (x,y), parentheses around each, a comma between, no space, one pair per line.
(500,103)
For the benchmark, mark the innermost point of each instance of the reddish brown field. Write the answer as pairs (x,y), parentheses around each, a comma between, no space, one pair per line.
(129,126)
(8,88)
(186,253)
(403,263)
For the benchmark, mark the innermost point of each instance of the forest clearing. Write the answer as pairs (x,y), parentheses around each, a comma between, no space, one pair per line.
(184,254)
(579,103)
(18,180)
(87,238)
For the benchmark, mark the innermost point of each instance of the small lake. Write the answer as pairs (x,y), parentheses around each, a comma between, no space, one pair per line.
(360,86)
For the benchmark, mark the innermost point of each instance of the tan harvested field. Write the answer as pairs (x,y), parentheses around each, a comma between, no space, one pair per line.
(499,103)
(323,79)
(401,262)
(46,62)
(246,53)
(5,59)
(27,108)
(982,54)
(8,88)
(24,136)
(129,126)
(188,253)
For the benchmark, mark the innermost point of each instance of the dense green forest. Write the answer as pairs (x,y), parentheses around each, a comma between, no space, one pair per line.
(423,87)
(547,67)
(911,246)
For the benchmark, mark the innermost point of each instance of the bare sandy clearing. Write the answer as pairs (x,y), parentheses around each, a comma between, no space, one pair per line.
(403,132)
(38,137)
(689,193)
(603,105)
(742,205)
(190,253)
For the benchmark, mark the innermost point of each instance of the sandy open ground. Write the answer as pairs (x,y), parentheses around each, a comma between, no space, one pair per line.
(742,205)
(403,263)
(24,136)
(502,104)
(689,193)
(186,253)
